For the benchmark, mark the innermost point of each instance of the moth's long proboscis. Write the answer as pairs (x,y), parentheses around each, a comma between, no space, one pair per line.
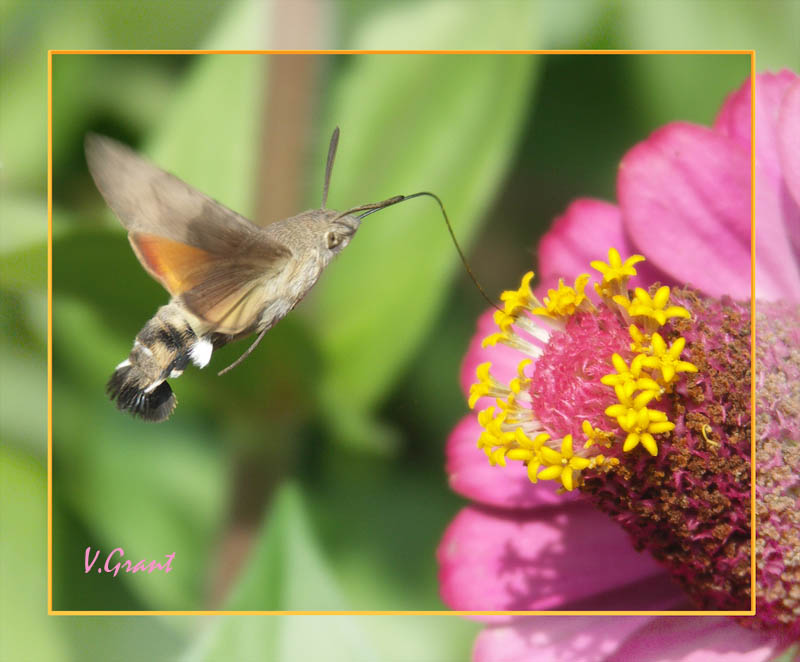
(371,209)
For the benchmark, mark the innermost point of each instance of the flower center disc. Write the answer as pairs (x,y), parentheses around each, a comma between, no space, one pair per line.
(566,388)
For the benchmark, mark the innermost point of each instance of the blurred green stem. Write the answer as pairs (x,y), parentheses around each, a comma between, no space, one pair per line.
(287,116)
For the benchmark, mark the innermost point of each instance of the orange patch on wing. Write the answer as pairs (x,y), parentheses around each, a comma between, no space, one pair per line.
(177,266)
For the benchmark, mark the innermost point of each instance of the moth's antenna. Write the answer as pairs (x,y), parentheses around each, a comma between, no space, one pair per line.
(329,165)
(245,355)
(377,206)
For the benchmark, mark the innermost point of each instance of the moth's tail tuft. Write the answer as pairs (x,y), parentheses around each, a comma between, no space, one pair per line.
(131,393)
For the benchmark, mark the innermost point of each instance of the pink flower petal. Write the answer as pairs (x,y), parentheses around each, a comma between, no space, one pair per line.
(777,241)
(504,360)
(777,210)
(471,475)
(585,232)
(496,560)
(789,152)
(555,639)
(655,593)
(695,639)
(733,119)
(789,139)
(685,199)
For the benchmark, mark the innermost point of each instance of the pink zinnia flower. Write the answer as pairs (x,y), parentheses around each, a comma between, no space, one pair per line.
(681,490)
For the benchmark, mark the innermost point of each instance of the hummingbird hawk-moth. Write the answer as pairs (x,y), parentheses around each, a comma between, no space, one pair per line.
(228,278)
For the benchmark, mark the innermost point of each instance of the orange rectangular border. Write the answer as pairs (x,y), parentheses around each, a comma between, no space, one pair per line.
(52,612)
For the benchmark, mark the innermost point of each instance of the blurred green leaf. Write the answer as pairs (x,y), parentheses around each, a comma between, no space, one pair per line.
(27,634)
(26,223)
(789,655)
(99,268)
(769,26)
(23,398)
(660,76)
(286,572)
(405,638)
(380,521)
(21,269)
(23,242)
(23,72)
(443,123)
(208,134)
(384,557)
(122,638)
(153,494)
(568,24)
(151,23)
(127,91)
(284,639)
(440,24)
(152,490)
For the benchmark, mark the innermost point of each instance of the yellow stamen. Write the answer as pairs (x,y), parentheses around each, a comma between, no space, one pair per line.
(706,430)
(504,321)
(521,382)
(515,301)
(596,436)
(616,269)
(487,385)
(510,429)
(646,423)
(561,465)
(641,341)
(667,360)
(654,307)
(564,301)
(631,379)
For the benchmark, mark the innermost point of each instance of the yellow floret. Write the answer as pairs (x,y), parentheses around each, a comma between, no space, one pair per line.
(667,359)
(641,341)
(565,300)
(515,301)
(631,378)
(616,273)
(654,307)
(561,465)
(616,269)
(596,436)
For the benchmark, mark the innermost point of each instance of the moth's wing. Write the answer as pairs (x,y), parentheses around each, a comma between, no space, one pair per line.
(217,261)
(149,200)
(226,291)
(231,300)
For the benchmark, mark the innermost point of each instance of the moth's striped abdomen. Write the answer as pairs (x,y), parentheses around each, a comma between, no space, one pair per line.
(163,348)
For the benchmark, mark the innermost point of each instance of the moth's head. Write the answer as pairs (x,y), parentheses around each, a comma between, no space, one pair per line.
(338,230)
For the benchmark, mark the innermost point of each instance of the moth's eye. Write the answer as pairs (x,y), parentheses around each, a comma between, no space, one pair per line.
(333,240)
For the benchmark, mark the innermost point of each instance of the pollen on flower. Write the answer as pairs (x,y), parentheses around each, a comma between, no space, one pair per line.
(689,505)
(640,341)
(777,457)
(594,371)
(596,436)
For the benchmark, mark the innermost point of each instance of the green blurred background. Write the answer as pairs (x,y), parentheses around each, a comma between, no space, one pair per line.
(311,477)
